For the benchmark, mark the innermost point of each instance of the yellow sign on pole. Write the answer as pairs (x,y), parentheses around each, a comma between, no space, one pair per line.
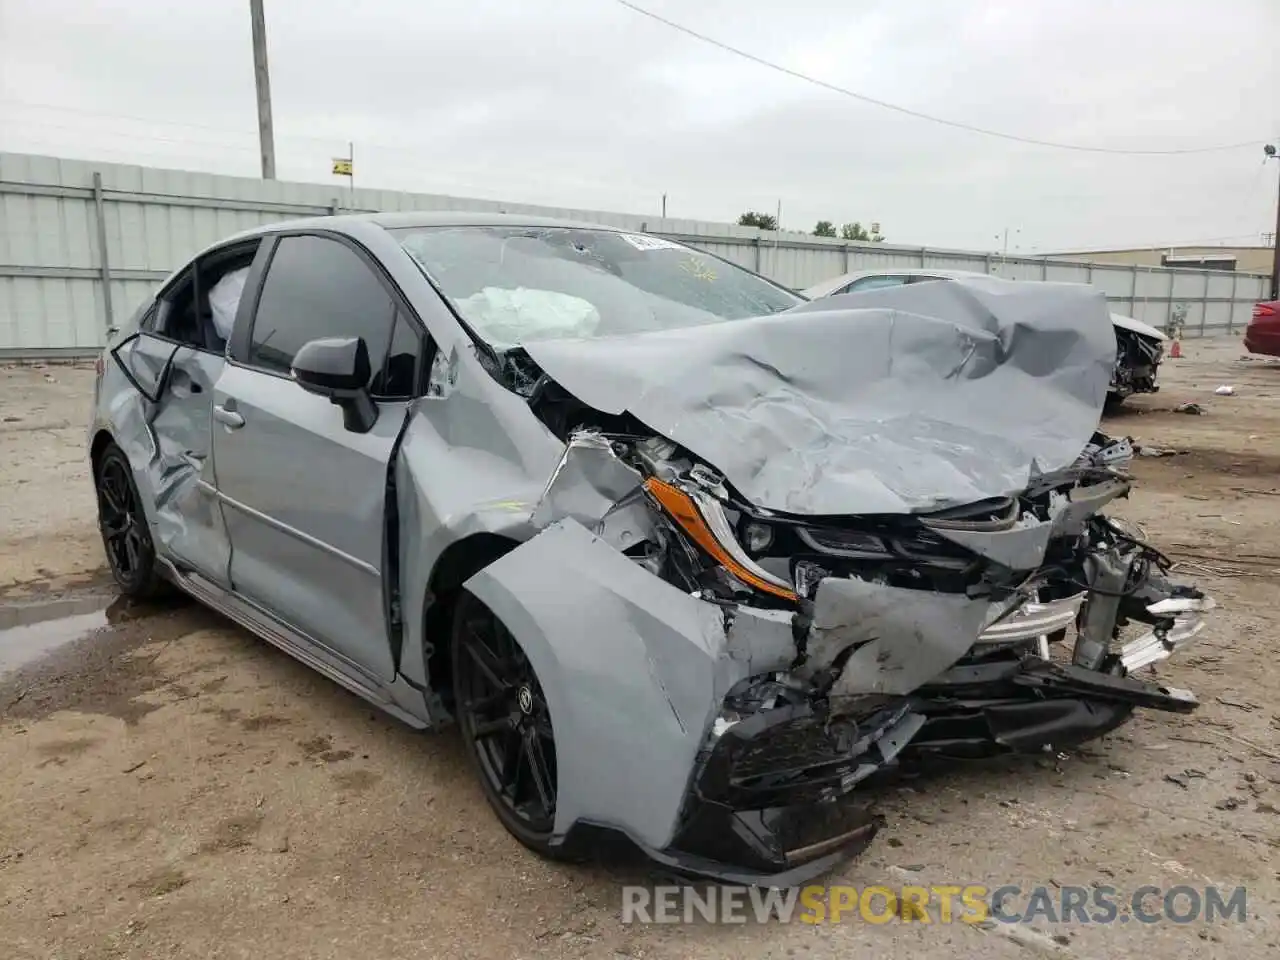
(342,167)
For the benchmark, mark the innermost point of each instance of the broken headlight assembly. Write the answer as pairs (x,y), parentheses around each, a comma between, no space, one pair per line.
(783,559)
(702,519)
(757,536)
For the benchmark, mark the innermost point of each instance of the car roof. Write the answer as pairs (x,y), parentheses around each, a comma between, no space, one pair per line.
(827,286)
(423,218)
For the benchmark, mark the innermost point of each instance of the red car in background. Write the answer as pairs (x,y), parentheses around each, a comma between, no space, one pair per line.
(1263,333)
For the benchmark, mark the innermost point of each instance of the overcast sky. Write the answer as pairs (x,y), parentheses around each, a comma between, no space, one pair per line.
(584,103)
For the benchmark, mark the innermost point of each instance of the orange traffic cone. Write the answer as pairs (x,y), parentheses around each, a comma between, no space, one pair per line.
(1175,351)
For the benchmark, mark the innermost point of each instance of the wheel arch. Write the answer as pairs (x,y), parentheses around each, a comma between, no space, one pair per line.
(460,561)
(101,440)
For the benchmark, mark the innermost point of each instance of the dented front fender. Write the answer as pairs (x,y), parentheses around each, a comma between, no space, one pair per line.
(633,669)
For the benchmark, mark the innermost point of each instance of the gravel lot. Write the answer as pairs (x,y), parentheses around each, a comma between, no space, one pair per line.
(175,788)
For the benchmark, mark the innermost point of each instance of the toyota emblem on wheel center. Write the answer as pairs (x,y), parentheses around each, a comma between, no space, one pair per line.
(525,699)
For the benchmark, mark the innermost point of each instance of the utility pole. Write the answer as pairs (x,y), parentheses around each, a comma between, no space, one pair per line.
(1270,151)
(266,137)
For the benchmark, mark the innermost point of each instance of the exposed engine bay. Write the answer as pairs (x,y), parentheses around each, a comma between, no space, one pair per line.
(1020,572)
(1137,361)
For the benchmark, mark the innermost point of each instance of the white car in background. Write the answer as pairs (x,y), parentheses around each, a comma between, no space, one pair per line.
(1139,346)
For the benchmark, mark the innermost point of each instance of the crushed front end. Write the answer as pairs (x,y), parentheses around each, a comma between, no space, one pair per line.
(971,632)
(1137,363)
(804,549)
(851,644)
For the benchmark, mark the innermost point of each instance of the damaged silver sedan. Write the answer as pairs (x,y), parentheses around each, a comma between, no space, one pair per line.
(684,557)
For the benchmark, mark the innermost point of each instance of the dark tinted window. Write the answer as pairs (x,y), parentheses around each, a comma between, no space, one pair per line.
(317,287)
(148,321)
(400,374)
(177,317)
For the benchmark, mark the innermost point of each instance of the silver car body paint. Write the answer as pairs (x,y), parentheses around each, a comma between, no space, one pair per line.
(914,398)
(897,402)
(586,485)
(902,637)
(1019,548)
(633,668)
(168,444)
(1137,326)
(303,501)
(827,288)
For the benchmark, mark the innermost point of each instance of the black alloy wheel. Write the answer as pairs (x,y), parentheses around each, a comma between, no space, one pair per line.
(505,724)
(125,535)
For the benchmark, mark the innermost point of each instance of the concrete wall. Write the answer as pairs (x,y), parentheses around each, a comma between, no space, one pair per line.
(1248,259)
(83,243)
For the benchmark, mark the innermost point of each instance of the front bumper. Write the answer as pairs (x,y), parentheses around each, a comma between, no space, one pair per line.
(770,805)
(640,669)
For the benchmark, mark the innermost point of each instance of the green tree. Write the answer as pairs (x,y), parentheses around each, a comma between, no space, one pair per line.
(856,231)
(824,228)
(765,221)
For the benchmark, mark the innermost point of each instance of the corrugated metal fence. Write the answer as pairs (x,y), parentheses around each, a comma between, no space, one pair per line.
(81,244)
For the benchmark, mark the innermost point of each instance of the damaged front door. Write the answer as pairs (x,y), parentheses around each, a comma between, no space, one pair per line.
(173,366)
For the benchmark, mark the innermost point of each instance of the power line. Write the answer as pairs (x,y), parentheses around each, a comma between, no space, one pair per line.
(957,124)
(126,135)
(153,120)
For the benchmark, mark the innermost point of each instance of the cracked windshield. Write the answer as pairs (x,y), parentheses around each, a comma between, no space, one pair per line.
(514,285)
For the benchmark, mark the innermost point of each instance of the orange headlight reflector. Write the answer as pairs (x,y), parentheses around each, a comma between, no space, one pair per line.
(681,508)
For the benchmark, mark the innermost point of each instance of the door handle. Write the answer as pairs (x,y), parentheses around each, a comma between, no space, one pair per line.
(228,418)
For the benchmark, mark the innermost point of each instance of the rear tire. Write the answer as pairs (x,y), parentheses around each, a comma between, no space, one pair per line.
(505,725)
(125,534)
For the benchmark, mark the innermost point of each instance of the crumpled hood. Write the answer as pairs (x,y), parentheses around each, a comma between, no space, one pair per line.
(919,397)
(1137,326)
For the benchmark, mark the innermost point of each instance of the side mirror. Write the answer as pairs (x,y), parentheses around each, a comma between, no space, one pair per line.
(338,368)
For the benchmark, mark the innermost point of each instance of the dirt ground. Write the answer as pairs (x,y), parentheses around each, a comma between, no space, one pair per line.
(173,787)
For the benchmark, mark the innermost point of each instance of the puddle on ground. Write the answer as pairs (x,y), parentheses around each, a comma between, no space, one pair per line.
(28,631)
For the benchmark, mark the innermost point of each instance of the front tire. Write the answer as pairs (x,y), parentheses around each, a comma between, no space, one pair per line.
(505,725)
(125,534)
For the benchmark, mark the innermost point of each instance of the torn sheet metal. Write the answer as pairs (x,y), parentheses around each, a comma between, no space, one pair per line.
(761,640)
(1080,503)
(628,522)
(633,669)
(1020,547)
(586,483)
(914,398)
(903,638)
(168,445)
